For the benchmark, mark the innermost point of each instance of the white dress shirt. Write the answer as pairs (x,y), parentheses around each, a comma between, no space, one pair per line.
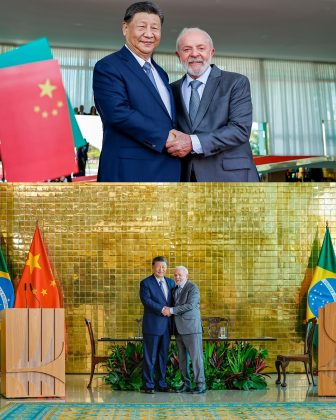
(163,91)
(164,284)
(186,93)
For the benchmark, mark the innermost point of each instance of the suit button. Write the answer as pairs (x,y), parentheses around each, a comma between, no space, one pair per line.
(150,144)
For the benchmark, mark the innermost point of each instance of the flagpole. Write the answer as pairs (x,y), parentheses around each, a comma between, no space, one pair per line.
(38,227)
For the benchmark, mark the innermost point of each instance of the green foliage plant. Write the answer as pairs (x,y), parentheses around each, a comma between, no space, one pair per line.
(125,367)
(226,366)
(244,369)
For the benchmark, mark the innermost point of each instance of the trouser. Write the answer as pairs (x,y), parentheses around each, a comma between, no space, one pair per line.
(155,358)
(190,346)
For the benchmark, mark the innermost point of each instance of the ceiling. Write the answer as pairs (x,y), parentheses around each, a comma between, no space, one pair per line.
(287,29)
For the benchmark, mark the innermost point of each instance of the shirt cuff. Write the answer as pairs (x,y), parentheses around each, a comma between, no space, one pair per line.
(171,310)
(196,144)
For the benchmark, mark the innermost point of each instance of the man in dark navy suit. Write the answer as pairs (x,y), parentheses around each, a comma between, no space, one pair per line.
(155,295)
(135,102)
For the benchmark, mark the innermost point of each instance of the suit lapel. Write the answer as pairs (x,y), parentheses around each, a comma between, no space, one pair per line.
(209,91)
(183,292)
(180,105)
(181,101)
(135,67)
(168,87)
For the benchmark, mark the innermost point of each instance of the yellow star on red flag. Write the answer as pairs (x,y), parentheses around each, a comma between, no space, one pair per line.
(46,88)
(32,262)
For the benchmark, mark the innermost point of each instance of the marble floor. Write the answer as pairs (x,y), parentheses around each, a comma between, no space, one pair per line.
(297,390)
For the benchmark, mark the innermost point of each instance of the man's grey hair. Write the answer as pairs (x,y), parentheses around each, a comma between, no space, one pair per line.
(186,30)
(183,268)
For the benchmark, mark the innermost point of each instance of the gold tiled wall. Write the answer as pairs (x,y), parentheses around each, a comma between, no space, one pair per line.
(249,247)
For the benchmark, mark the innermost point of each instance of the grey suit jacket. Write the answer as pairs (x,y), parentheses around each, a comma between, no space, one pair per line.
(186,310)
(223,125)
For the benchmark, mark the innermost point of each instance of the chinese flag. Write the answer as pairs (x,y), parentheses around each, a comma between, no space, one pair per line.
(32,52)
(36,138)
(38,287)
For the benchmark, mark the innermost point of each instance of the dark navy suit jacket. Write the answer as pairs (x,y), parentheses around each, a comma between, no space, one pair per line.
(153,300)
(136,122)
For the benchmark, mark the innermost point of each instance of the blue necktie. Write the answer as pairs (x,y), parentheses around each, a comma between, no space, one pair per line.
(194,99)
(148,69)
(162,289)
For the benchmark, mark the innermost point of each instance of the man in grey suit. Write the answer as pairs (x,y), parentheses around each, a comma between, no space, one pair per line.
(214,108)
(188,330)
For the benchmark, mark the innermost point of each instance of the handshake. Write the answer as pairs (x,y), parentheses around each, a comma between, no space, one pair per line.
(178,144)
(166,311)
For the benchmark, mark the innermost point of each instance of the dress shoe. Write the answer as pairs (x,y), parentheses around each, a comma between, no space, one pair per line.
(149,391)
(160,389)
(199,390)
(185,388)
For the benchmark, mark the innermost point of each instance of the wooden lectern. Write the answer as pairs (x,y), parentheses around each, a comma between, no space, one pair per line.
(32,353)
(327,351)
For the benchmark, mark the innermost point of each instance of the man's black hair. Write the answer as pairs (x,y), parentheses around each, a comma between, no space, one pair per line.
(159,259)
(143,7)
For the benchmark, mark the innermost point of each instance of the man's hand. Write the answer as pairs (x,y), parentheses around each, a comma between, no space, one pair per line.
(178,144)
(166,311)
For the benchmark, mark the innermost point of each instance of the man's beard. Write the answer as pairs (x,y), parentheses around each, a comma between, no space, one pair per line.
(196,73)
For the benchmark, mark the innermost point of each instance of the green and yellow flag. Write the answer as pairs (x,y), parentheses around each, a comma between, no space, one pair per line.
(6,287)
(322,289)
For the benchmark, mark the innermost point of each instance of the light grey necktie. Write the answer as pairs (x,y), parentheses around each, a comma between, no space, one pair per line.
(178,292)
(194,99)
(148,69)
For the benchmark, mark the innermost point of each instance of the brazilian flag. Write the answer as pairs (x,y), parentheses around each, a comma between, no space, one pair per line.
(322,289)
(6,287)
